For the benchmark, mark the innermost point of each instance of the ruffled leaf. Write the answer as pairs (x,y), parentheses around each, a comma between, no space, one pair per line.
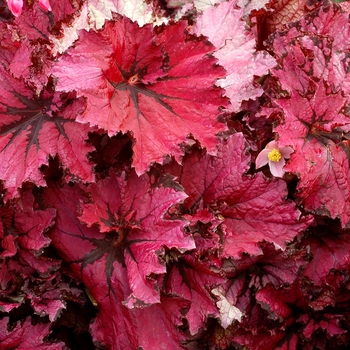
(156,84)
(34,128)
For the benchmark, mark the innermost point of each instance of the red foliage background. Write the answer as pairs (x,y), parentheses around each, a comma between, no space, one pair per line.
(132,215)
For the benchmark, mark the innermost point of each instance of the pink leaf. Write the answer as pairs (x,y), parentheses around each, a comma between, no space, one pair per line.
(235,50)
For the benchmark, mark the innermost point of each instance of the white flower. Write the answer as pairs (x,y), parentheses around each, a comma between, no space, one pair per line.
(274,156)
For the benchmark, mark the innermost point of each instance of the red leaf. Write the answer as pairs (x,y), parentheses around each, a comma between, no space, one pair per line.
(261,339)
(156,325)
(26,336)
(330,323)
(33,128)
(37,23)
(115,267)
(9,286)
(159,86)
(136,241)
(330,252)
(275,301)
(313,68)
(48,295)
(193,281)
(31,224)
(322,165)
(254,208)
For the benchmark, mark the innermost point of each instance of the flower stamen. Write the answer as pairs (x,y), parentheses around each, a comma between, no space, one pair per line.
(275,155)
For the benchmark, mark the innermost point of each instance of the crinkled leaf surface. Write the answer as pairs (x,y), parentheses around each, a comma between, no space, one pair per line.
(235,50)
(7,44)
(275,15)
(32,61)
(36,23)
(328,323)
(31,224)
(26,336)
(23,231)
(315,66)
(260,214)
(313,49)
(193,281)
(23,242)
(137,235)
(130,208)
(322,165)
(34,128)
(253,207)
(113,265)
(156,84)
(23,57)
(278,268)
(330,252)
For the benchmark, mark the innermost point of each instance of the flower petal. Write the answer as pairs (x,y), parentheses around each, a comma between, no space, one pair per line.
(272,145)
(276,168)
(286,151)
(262,158)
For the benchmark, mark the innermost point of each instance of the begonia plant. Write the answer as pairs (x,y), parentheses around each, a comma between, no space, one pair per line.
(174,175)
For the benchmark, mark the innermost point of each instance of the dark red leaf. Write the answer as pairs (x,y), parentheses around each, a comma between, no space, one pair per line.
(330,252)
(278,268)
(10,289)
(193,281)
(261,339)
(31,224)
(329,323)
(276,302)
(253,208)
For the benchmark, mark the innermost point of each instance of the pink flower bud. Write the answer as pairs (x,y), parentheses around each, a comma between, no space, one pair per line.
(15,6)
(45,5)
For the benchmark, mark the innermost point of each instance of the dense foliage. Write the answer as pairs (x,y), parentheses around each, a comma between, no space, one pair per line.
(139,206)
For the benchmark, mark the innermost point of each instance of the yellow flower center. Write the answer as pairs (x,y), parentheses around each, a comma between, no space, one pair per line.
(275,155)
